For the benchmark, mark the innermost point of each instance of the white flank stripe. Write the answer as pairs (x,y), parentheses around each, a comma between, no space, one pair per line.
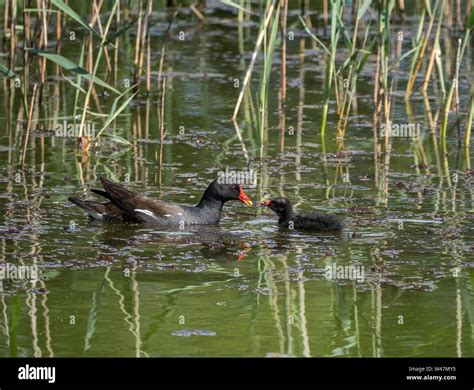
(146,212)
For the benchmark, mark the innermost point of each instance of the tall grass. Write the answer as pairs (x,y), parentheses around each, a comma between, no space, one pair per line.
(462,44)
(91,77)
(348,39)
(355,63)
(269,49)
(423,41)
(261,35)
(337,7)
(467,138)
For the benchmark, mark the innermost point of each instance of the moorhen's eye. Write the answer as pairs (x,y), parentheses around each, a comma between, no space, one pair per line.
(237,187)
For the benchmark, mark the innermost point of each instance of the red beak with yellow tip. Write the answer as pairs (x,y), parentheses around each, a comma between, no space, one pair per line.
(244,198)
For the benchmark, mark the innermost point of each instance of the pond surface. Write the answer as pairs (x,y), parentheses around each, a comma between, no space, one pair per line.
(246,287)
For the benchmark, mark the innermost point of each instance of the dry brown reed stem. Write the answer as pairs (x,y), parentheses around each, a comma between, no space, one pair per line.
(58,30)
(44,20)
(95,12)
(162,121)
(344,112)
(426,80)
(242,142)
(448,52)
(28,125)
(419,60)
(325,12)
(436,50)
(137,72)
(377,91)
(13,43)
(94,72)
(401,5)
(162,115)
(197,12)
(116,51)
(458,14)
(337,88)
(147,122)
(449,15)
(148,46)
(89,58)
(98,105)
(283,18)
(163,47)
(431,119)
(43,39)
(20,117)
(307,20)
(467,136)
(448,102)
(6,13)
(388,128)
(282,117)
(27,43)
(456,93)
(144,32)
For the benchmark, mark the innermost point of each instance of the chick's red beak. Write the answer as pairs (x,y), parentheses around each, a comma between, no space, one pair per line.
(267,203)
(243,197)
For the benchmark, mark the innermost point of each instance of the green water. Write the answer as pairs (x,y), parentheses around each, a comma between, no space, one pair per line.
(245,288)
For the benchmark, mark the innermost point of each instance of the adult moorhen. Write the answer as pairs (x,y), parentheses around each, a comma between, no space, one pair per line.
(127,206)
(287,218)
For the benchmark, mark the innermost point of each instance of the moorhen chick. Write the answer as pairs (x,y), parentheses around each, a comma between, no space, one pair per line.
(287,218)
(127,206)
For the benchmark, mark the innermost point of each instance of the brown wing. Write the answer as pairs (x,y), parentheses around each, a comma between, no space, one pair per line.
(130,202)
(158,207)
(98,210)
(113,213)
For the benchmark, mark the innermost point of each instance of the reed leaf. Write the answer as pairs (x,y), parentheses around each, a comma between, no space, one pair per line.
(7,72)
(115,112)
(470,115)
(363,8)
(447,105)
(271,45)
(232,4)
(318,41)
(53,11)
(267,70)
(67,64)
(125,28)
(73,15)
(470,20)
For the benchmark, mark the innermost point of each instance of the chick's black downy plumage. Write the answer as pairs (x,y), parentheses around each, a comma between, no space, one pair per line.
(310,221)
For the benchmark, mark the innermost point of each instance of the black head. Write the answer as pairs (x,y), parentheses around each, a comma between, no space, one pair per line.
(281,206)
(225,192)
